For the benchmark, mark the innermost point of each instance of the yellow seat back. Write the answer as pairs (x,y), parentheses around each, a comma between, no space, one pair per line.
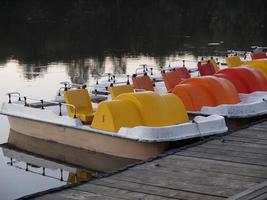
(260,65)
(215,65)
(139,109)
(233,61)
(82,101)
(176,108)
(120,89)
(112,115)
(156,110)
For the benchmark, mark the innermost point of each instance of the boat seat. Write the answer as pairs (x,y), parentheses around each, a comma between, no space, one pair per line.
(139,109)
(233,61)
(255,56)
(206,91)
(182,72)
(214,64)
(142,82)
(245,79)
(171,79)
(259,64)
(193,96)
(120,89)
(205,69)
(81,100)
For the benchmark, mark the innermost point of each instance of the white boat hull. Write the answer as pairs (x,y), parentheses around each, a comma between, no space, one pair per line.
(92,141)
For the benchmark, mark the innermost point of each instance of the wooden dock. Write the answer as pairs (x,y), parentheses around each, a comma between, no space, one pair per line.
(232,166)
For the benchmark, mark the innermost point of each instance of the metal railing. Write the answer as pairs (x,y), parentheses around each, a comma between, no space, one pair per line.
(42,103)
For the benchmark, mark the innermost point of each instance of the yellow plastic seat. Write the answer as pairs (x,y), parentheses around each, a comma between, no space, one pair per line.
(139,109)
(215,65)
(120,89)
(260,64)
(112,115)
(82,102)
(233,61)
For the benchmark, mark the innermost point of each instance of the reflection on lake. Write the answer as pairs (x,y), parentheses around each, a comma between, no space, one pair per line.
(31,160)
(43,43)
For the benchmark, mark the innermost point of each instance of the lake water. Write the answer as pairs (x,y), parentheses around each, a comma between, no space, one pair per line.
(42,44)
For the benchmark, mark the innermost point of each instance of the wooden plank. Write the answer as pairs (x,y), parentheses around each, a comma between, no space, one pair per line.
(245,139)
(259,191)
(199,173)
(145,188)
(73,195)
(110,191)
(222,157)
(237,146)
(231,153)
(220,179)
(190,163)
(251,133)
(202,184)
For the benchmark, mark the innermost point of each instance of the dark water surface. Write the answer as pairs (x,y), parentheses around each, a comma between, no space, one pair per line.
(43,43)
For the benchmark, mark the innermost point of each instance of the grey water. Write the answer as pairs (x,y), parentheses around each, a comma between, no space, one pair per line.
(43,43)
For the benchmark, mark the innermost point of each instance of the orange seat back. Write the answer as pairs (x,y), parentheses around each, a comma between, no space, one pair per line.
(238,83)
(171,79)
(194,97)
(183,73)
(206,91)
(142,82)
(245,79)
(255,56)
(205,69)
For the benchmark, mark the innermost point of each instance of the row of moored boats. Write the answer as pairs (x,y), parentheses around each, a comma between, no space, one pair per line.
(143,116)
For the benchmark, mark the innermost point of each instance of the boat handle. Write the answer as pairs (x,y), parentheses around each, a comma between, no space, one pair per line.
(68,105)
(10,94)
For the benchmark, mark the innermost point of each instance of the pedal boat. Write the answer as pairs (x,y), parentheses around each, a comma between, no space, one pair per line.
(259,64)
(133,125)
(219,95)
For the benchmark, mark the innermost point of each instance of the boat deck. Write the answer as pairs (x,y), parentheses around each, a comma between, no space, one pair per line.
(232,166)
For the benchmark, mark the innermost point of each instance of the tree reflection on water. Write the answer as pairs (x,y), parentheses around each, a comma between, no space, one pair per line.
(39,31)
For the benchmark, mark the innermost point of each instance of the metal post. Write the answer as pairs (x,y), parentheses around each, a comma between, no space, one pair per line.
(42,104)
(25,100)
(9,98)
(151,71)
(61,175)
(60,113)
(43,171)
(66,88)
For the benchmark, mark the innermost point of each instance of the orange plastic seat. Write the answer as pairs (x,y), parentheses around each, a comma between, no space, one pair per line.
(206,91)
(213,62)
(171,79)
(238,83)
(120,89)
(245,79)
(142,82)
(193,96)
(205,69)
(255,56)
(182,72)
